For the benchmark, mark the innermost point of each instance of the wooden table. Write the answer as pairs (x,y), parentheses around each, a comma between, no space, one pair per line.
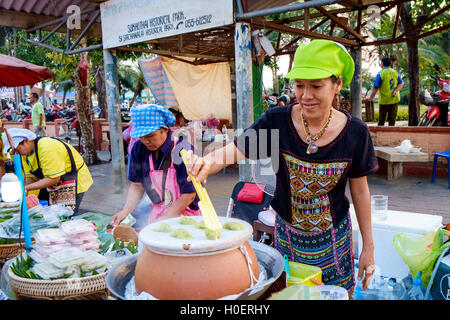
(395,160)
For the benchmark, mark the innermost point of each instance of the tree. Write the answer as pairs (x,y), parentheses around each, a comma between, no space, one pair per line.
(64,86)
(272,63)
(131,79)
(412,15)
(415,58)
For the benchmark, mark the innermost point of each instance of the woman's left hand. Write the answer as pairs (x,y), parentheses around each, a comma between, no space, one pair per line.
(366,266)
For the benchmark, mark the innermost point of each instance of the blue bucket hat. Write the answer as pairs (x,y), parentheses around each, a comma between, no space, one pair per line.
(148,118)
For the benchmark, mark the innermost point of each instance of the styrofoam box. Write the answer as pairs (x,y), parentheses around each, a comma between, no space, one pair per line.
(387,258)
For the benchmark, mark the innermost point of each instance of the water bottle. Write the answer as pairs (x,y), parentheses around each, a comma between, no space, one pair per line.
(407,282)
(417,291)
(398,291)
(373,290)
(224,132)
(376,282)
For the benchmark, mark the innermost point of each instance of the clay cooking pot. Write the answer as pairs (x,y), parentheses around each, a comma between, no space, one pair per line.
(209,270)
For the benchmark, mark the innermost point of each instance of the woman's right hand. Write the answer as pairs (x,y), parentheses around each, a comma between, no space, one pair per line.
(117,218)
(198,166)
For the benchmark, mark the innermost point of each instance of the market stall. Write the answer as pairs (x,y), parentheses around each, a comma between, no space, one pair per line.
(15,72)
(70,256)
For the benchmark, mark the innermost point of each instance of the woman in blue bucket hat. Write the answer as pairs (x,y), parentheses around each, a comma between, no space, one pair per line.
(319,149)
(152,169)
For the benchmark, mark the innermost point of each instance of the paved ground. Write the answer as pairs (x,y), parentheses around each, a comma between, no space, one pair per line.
(411,194)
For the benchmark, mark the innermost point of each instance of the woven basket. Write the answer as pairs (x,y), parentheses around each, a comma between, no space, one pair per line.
(126,234)
(6,251)
(60,289)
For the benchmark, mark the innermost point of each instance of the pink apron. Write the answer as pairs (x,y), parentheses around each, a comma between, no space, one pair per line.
(172,192)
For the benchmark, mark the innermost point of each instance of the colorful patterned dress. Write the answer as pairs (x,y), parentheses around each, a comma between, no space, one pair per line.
(313,223)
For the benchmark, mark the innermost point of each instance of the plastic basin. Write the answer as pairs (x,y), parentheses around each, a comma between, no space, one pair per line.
(303,292)
(300,273)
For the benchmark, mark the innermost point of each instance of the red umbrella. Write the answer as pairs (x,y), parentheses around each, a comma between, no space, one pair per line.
(15,72)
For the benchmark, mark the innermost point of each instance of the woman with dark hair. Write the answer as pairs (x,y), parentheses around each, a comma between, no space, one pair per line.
(319,149)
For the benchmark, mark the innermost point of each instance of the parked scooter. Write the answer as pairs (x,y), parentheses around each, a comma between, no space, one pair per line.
(18,117)
(437,112)
(52,114)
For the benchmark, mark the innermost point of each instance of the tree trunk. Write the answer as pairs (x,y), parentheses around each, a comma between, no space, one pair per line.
(136,92)
(413,68)
(414,83)
(44,100)
(84,109)
(101,92)
(63,103)
(276,86)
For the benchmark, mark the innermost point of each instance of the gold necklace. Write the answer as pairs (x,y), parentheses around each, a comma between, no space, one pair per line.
(310,140)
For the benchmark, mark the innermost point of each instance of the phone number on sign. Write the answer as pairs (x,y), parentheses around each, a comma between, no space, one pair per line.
(189,23)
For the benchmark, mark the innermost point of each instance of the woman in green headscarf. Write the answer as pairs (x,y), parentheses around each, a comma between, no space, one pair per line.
(320,149)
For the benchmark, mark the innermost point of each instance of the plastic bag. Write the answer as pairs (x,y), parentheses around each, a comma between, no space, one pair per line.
(405,146)
(39,217)
(421,254)
(4,281)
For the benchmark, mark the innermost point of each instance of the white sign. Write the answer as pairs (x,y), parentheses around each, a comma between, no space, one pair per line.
(132,21)
(6,92)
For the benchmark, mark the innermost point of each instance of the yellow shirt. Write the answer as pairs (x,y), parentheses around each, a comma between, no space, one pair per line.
(55,162)
(2,155)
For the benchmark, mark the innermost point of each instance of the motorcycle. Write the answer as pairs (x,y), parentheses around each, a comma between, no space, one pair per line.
(66,113)
(52,113)
(18,117)
(437,111)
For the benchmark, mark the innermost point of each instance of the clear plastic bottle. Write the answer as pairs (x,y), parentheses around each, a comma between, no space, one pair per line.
(373,291)
(417,291)
(10,185)
(398,291)
(224,132)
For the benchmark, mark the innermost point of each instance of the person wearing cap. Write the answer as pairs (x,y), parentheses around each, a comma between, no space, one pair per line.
(388,84)
(155,165)
(47,162)
(319,149)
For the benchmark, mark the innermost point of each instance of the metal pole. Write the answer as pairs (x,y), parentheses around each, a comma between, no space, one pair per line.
(282,9)
(23,203)
(355,85)
(244,85)
(115,132)
(85,30)
(80,50)
(239,6)
(233,94)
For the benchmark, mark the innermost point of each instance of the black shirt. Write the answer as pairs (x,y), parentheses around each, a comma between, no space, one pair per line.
(310,188)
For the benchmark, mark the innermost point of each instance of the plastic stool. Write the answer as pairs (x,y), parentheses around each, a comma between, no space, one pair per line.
(444,154)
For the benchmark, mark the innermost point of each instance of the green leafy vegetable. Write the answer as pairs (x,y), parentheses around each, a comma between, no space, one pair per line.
(21,268)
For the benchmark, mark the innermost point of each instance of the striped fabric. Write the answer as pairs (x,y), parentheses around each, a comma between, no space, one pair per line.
(157,81)
(330,250)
